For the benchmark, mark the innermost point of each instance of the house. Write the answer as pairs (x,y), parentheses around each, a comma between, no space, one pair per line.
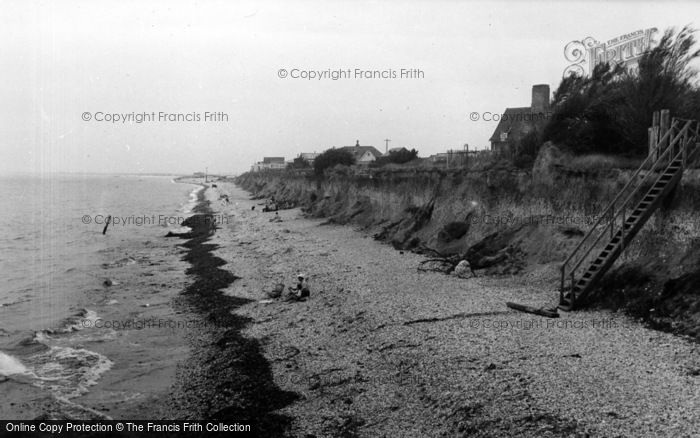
(516,123)
(269,163)
(363,154)
(451,158)
(309,157)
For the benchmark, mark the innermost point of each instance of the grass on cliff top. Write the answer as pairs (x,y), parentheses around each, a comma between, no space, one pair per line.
(594,162)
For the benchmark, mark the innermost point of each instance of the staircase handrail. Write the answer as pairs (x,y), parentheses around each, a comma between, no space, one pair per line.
(668,148)
(612,203)
(623,207)
(609,212)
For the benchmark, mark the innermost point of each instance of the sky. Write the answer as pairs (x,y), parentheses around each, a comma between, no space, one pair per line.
(68,66)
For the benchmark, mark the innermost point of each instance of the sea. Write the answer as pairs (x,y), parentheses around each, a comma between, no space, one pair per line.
(56,255)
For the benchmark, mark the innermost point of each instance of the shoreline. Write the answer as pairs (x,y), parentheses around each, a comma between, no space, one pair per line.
(382,349)
(117,351)
(226,376)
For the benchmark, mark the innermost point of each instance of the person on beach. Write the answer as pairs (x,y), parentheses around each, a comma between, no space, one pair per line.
(301,291)
(277,217)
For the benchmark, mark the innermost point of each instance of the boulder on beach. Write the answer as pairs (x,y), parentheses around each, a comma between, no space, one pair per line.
(276,291)
(463,270)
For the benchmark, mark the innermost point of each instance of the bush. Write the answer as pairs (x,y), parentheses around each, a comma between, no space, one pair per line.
(397,157)
(596,162)
(583,117)
(331,158)
(527,150)
(299,163)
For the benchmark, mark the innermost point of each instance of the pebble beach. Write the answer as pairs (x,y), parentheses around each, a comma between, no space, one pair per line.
(383,349)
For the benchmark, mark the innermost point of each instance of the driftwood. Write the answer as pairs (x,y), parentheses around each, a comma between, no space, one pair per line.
(537,311)
(455,316)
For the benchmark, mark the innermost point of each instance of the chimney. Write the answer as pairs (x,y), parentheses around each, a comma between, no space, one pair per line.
(540,98)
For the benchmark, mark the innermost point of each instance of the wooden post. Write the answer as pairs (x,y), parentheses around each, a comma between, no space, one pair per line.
(664,126)
(573,294)
(622,232)
(654,141)
(563,276)
(107,222)
(684,145)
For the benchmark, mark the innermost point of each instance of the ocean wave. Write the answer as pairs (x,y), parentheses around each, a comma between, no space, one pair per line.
(13,303)
(119,263)
(69,372)
(10,365)
(189,206)
(55,360)
(84,318)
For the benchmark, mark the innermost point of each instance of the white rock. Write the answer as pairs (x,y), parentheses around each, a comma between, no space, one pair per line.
(463,270)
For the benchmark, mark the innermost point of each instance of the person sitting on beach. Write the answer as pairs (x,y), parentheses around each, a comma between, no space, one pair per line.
(301,290)
(270,206)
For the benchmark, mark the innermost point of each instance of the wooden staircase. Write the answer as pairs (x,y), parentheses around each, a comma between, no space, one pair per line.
(671,146)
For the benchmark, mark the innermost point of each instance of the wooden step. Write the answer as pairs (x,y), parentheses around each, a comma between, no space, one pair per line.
(664,172)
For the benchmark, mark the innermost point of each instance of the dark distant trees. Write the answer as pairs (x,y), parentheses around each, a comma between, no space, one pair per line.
(331,158)
(299,163)
(399,156)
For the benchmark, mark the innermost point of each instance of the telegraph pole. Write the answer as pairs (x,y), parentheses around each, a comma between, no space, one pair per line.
(206,173)
(386,146)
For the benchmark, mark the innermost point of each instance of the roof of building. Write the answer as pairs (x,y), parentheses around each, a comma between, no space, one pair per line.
(309,155)
(397,149)
(268,160)
(359,151)
(517,122)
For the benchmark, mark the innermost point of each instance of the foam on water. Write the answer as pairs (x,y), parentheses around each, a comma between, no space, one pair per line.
(187,211)
(84,318)
(192,202)
(47,274)
(69,372)
(63,367)
(10,366)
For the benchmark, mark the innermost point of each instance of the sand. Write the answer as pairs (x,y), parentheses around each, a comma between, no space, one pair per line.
(382,349)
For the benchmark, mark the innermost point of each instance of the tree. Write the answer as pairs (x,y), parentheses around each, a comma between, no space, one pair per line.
(400,156)
(610,110)
(583,116)
(299,163)
(665,80)
(331,158)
